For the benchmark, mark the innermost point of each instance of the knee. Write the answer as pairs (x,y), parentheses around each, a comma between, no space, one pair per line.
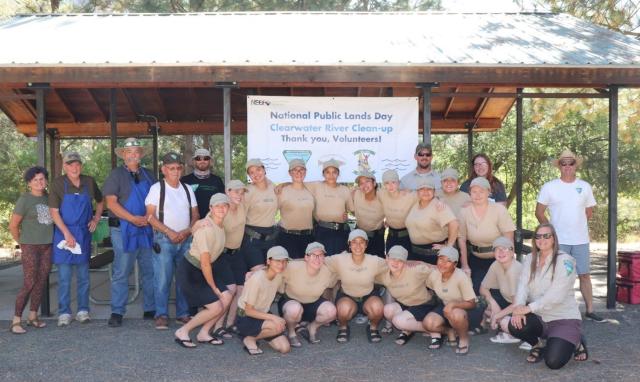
(457,315)
(554,363)
(327,311)
(292,311)
(398,321)
(389,311)
(431,322)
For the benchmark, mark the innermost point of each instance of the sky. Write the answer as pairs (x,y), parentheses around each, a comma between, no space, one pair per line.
(486,6)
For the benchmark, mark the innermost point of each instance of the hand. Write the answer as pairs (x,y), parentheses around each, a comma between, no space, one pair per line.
(518,321)
(279,320)
(70,239)
(522,310)
(217,292)
(440,206)
(278,189)
(494,322)
(173,236)
(448,309)
(93,224)
(437,246)
(139,221)
(345,217)
(201,224)
(467,270)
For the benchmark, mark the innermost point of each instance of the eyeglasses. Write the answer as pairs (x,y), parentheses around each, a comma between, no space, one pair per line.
(481,164)
(539,236)
(315,256)
(567,163)
(200,159)
(136,177)
(424,154)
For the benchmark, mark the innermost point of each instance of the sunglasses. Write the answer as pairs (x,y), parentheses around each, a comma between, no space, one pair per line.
(136,177)
(567,163)
(200,159)
(424,154)
(543,236)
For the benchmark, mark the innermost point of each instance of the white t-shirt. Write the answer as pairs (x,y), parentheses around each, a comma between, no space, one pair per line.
(176,205)
(567,203)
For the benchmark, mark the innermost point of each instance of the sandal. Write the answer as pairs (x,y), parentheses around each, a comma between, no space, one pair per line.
(36,323)
(213,341)
(580,351)
(17,325)
(294,341)
(403,338)
(254,351)
(462,350)
(343,335)
(478,331)
(436,343)
(387,328)
(184,343)
(304,333)
(222,333)
(373,335)
(535,354)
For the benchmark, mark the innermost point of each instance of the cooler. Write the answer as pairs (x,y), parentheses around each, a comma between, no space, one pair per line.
(628,292)
(629,265)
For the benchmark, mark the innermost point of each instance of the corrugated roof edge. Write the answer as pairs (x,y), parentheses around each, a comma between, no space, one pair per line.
(279,13)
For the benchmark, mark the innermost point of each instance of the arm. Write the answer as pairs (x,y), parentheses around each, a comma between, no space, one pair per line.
(14,226)
(589,212)
(187,231)
(117,209)
(464,258)
(540,213)
(250,311)
(57,219)
(453,232)
(159,226)
(465,305)
(93,223)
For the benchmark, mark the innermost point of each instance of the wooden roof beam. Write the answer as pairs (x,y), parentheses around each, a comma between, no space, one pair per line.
(447,109)
(133,105)
(482,105)
(103,113)
(163,109)
(65,105)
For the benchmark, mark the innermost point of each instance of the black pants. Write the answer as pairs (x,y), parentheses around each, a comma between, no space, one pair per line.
(334,241)
(557,352)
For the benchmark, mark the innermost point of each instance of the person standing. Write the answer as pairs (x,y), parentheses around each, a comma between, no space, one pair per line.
(423,156)
(570,202)
(451,195)
(204,183)
(171,211)
(31,226)
(481,167)
(125,189)
(72,212)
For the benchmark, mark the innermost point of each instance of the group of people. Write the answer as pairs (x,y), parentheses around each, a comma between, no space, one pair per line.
(425,255)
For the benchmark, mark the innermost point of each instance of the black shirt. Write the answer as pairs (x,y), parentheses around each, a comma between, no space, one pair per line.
(204,190)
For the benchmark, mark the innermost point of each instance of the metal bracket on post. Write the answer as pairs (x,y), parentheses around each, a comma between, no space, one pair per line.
(427,88)
(154,130)
(226,118)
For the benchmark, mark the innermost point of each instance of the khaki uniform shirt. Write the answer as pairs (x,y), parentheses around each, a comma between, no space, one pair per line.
(357,280)
(331,203)
(455,201)
(369,213)
(296,208)
(261,206)
(505,281)
(211,239)
(234,227)
(259,291)
(410,287)
(457,289)
(302,287)
(482,232)
(396,208)
(428,225)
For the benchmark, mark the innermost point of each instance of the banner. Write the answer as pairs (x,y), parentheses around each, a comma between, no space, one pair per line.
(366,133)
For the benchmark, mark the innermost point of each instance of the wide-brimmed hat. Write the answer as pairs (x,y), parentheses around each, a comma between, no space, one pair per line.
(567,154)
(130,143)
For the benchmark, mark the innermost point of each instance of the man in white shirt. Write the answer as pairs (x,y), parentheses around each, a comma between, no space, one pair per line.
(423,156)
(570,202)
(171,210)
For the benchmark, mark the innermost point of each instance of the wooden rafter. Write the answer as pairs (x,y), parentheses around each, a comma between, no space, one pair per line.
(64,104)
(482,105)
(163,109)
(133,105)
(447,109)
(103,113)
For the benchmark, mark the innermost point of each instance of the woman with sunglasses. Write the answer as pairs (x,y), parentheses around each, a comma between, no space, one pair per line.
(304,283)
(296,205)
(546,306)
(357,272)
(481,167)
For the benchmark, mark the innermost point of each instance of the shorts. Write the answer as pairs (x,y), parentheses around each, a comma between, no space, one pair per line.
(309,311)
(502,302)
(334,241)
(419,312)
(359,300)
(568,329)
(222,266)
(294,244)
(238,265)
(249,326)
(194,286)
(254,251)
(579,252)
(439,310)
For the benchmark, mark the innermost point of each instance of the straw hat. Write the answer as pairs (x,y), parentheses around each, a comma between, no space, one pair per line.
(131,143)
(567,154)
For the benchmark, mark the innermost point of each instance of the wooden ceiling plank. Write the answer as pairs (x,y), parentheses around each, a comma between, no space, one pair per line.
(163,109)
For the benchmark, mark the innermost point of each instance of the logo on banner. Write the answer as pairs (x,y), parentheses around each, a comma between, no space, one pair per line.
(363,161)
(290,155)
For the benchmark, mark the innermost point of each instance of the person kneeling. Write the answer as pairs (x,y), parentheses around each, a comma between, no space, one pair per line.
(455,290)
(254,320)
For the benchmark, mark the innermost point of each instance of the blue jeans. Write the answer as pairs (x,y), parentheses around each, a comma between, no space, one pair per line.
(164,266)
(65,272)
(121,269)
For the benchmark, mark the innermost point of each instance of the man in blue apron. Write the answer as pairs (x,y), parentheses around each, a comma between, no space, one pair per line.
(72,212)
(131,235)
(172,210)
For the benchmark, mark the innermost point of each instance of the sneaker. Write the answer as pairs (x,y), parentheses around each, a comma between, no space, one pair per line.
(594,317)
(162,323)
(115,321)
(83,317)
(525,346)
(149,315)
(182,320)
(361,319)
(64,319)
(504,338)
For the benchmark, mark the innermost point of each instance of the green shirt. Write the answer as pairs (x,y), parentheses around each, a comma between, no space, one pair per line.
(36,226)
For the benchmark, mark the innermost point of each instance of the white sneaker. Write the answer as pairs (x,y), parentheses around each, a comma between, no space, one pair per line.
(64,319)
(504,338)
(525,346)
(83,317)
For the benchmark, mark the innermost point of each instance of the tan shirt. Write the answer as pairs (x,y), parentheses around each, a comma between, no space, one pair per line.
(482,232)
(428,225)
(302,287)
(410,287)
(357,280)
(331,203)
(455,201)
(209,238)
(296,208)
(550,294)
(396,208)
(234,227)
(369,213)
(457,289)
(505,281)
(261,205)
(259,291)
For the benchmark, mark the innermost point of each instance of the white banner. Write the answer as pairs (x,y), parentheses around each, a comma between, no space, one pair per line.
(374,133)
